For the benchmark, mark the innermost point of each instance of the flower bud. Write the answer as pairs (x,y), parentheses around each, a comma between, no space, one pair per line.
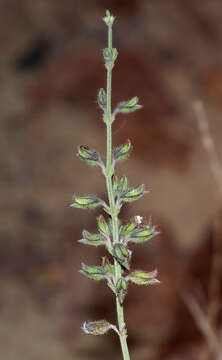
(86,202)
(99,327)
(115,184)
(93,272)
(122,152)
(128,106)
(103,226)
(123,185)
(110,55)
(128,229)
(107,266)
(91,239)
(122,255)
(121,289)
(144,278)
(133,194)
(102,99)
(109,19)
(143,234)
(87,155)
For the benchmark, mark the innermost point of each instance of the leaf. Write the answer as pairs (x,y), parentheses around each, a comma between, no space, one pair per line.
(143,234)
(122,152)
(88,156)
(133,194)
(144,278)
(93,272)
(91,239)
(86,202)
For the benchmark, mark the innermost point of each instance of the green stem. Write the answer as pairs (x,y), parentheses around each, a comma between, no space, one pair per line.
(113,209)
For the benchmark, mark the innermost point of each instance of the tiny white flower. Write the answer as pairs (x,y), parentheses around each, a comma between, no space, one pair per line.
(138,219)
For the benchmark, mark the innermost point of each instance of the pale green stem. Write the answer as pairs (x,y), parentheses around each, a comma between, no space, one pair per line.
(114,212)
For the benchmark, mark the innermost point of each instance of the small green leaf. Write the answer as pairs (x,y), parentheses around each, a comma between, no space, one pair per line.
(123,185)
(144,278)
(128,106)
(103,226)
(93,272)
(122,152)
(99,327)
(122,255)
(91,239)
(133,194)
(88,156)
(86,202)
(121,289)
(143,234)
(102,99)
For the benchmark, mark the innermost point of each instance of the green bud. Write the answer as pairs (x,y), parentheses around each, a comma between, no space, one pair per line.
(133,194)
(143,234)
(122,152)
(144,278)
(123,185)
(108,268)
(121,289)
(115,184)
(128,229)
(93,272)
(103,226)
(99,327)
(110,56)
(122,255)
(109,19)
(91,239)
(128,106)
(86,202)
(102,99)
(87,155)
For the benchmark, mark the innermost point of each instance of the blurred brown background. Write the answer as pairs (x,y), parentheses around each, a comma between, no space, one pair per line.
(51,67)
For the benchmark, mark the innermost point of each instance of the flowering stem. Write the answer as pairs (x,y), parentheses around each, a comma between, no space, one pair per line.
(113,208)
(116,236)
